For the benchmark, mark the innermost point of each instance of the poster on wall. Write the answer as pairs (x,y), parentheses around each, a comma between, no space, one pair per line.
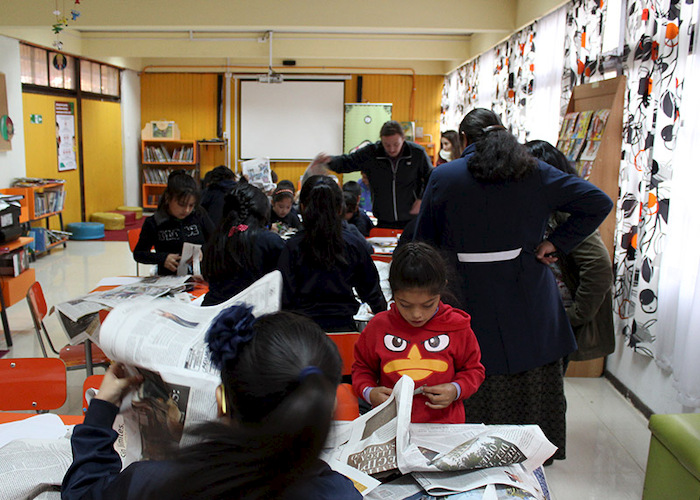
(65,136)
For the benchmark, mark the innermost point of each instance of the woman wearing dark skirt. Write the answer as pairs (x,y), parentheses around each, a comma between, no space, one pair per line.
(487,212)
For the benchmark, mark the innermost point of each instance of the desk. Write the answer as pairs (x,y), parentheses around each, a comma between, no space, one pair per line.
(383,247)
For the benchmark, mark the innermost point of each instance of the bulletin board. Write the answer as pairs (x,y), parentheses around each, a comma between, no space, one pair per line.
(7,129)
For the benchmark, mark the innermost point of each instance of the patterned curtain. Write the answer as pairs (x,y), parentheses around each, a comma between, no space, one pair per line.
(657,34)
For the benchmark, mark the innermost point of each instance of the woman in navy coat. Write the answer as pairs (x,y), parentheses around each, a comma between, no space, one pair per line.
(488,212)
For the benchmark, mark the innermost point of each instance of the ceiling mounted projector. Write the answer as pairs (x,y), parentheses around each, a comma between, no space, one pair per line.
(271,78)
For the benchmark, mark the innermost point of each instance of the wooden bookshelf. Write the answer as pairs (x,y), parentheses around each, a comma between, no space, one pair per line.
(159,157)
(41,202)
(606,94)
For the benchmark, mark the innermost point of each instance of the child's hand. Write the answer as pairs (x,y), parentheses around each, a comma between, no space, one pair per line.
(117,384)
(172,261)
(440,396)
(378,395)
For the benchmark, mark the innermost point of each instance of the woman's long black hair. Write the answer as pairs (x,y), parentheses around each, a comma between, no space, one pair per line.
(280,386)
(321,202)
(499,157)
(551,155)
(246,213)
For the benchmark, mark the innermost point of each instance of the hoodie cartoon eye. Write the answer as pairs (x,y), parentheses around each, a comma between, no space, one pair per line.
(394,343)
(437,343)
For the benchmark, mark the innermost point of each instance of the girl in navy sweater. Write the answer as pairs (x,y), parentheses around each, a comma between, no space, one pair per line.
(324,262)
(242,249)
(178,219)
(279,375)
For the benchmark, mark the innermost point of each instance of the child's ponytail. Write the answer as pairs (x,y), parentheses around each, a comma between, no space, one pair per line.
(322,205)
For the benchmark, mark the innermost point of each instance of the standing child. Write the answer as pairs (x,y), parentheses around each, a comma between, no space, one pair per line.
(178,219)
(283,212)
(421,337)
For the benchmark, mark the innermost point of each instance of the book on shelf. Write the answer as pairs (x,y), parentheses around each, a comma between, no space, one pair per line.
(160,154)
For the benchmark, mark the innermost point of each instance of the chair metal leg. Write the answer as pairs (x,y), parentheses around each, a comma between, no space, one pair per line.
(88,357)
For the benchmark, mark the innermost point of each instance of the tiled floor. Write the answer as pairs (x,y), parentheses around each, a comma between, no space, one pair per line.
(607,437)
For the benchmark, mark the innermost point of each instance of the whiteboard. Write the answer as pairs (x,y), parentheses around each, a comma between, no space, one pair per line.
(292,120)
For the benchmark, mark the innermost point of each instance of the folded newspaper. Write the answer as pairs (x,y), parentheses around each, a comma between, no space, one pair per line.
(443,458)
(164,341)
(79,317)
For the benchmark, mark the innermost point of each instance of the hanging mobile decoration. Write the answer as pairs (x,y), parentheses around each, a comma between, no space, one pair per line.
(62,21)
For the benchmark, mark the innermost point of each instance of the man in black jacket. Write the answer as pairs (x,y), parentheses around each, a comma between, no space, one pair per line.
(397,170)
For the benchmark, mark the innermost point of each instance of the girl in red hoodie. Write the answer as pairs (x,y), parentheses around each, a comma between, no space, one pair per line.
(421,337)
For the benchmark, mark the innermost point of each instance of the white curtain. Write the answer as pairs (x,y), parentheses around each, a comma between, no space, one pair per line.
(486,85)
(678,341)
(544,107)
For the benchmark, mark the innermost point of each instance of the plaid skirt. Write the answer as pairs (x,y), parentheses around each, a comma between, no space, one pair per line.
(532,397)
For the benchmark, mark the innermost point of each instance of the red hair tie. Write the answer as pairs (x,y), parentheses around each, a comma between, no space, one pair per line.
(240,228)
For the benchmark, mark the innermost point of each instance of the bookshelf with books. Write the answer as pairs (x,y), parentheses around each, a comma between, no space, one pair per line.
(591,138)
(42,199)
(159,157)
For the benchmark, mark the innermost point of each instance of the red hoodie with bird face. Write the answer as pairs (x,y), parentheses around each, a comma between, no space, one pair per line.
(443,350)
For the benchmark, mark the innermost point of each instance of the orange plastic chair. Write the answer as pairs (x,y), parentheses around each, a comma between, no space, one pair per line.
(381,257)
(347,407)
(32,384)
(345,341)
(84,355)
(384,232)
(92,382)
(133,236)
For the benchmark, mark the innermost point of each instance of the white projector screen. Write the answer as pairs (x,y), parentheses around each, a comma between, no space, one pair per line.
(293,120)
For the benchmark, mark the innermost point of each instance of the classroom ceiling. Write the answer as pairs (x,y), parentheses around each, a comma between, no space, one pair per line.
(320,36)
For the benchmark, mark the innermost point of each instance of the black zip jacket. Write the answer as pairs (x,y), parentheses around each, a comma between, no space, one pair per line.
(167,234)
(394,189)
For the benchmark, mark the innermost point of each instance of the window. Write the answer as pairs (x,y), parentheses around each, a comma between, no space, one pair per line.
(46,68)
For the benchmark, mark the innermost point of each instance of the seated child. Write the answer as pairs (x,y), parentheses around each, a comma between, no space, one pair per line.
(279,375)
(242,250)
(283,215)
(217,183)
(355,216)
(421,337)
(178,219)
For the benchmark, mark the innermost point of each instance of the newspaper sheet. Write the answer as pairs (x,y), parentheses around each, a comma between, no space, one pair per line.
(190,259)
(164,341)
(24,475)
(445,458)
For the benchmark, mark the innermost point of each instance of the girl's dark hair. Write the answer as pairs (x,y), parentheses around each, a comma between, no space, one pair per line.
(453,137)
(181,185)
(284,189)
(350,201)
(549,154)
(353,187)
(418,265)
(218,174)
(230,248)
(499,156)
(280,388)
(321,202)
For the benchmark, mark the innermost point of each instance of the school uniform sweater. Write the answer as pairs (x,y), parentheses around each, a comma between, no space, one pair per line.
(95,472)
(442,351)
(326,295)
(167,235)
(266,252)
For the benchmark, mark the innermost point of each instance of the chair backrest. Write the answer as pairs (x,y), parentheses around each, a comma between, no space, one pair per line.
(347,407)
(381,257)
(92,382)
(133,236)
(384,232)
(37,302)
(345,341)
(32,384)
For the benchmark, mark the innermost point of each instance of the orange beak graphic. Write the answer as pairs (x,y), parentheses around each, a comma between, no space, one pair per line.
(415,366)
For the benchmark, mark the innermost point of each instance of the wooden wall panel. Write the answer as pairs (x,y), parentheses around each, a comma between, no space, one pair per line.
(42,156)
(102,156)
(189,99)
